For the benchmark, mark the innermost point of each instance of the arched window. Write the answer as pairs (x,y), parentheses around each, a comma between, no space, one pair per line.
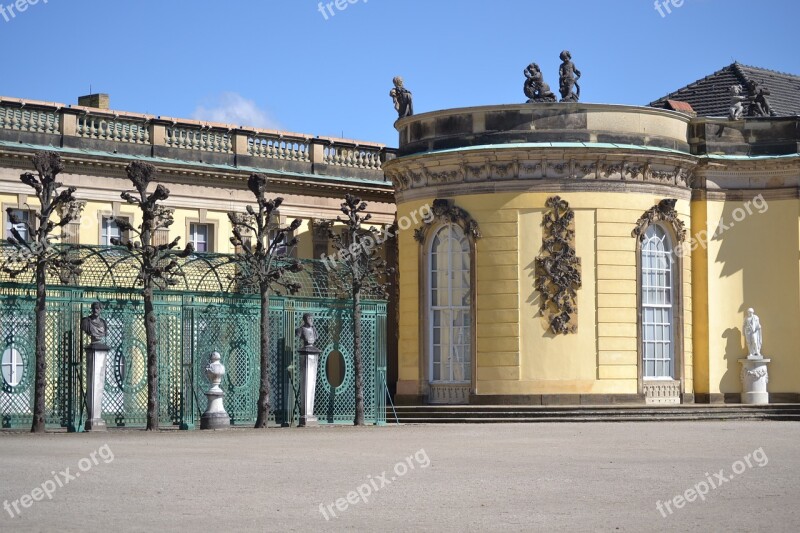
(450,297)
(658,299)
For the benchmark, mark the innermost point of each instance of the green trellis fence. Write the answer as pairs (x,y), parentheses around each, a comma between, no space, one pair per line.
(207,311)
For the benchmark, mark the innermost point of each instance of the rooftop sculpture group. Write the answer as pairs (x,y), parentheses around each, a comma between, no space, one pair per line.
(537,90)
(756,98)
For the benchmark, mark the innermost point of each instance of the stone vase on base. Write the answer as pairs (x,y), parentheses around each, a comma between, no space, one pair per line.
(754,380)
(215,416)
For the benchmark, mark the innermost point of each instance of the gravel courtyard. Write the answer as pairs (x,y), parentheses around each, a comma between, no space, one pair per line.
(514,477)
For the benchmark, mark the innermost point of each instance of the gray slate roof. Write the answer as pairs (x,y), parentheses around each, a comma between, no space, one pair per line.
(710,96)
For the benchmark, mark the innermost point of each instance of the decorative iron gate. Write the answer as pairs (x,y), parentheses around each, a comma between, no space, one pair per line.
(191,324)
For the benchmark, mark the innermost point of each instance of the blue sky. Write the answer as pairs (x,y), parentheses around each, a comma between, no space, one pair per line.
(283,64)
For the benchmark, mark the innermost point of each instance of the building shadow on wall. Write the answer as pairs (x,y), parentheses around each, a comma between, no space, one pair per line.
(535,298)
(733,352)
(742,249)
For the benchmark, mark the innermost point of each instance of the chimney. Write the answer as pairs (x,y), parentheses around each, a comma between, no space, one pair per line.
(99,101)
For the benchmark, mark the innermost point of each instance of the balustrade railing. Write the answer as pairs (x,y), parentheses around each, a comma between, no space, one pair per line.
(279,147)
(86,123)
(29,120)
(203,139)
(112,129)
(352,156)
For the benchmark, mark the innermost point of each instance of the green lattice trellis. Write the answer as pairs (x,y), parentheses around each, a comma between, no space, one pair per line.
(211,316)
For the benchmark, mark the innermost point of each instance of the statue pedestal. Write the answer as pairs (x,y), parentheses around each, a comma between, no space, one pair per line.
(309,359)
(754,380)
(96,357)
(215,416)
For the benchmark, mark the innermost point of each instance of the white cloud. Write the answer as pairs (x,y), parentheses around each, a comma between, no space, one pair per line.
(233,108)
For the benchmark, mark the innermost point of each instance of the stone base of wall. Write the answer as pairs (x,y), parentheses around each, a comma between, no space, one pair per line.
(556,399)
(735,397)
(662,392)
(448,394)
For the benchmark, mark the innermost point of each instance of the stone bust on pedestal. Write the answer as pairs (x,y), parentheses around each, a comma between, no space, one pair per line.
(94,325)
(309,359)
(96,356)
(308,334)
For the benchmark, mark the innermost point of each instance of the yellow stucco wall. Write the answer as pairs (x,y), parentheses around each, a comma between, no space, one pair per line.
(516,354)
(752,263)
(90,223)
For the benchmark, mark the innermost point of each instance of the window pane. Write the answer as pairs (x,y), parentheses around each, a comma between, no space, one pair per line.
(199,236)
(22,217)
(450,296)
(656,290)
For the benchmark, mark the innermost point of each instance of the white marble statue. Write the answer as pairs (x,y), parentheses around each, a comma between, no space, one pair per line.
(752,334)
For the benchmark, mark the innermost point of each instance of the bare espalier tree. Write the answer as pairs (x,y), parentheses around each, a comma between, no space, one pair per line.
(158,263)
(364,273)
(37,249)
(261,244)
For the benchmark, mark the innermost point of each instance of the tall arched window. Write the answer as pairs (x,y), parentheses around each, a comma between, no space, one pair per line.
(449,297)
(658,295)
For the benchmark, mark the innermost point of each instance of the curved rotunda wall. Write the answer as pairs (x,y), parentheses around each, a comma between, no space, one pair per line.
(540,123)
(500,165)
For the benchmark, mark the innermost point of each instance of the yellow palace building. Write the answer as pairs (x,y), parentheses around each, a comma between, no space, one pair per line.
(587,253)
(547,253)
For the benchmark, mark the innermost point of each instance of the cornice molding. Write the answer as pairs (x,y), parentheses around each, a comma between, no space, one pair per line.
(169,172)
(542,186)
(490,171)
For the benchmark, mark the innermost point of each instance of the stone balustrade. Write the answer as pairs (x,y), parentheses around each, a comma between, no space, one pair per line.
(32,120)
(54,124)
(279,146)
(113,129)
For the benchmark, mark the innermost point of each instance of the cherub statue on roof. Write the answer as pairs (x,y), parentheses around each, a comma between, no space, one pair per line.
(737,109)
(535,87)
(759,105)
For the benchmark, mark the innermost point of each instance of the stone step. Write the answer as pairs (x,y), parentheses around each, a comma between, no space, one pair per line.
(512,414)
(578,419)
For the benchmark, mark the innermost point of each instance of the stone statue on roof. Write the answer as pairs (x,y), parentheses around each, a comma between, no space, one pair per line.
(568,76)
(403,100)
(759,105)
(535,87)
(737,109)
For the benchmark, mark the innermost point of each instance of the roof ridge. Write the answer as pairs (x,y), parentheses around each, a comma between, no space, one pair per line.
(688,85)
(737,69)
(762,69)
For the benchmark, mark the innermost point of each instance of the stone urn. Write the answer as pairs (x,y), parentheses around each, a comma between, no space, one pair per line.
(215,416)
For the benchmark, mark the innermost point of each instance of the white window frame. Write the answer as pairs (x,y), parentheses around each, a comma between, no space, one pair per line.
(460,356)
(105,238)
(657,274)
(29,218)
(193,234)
